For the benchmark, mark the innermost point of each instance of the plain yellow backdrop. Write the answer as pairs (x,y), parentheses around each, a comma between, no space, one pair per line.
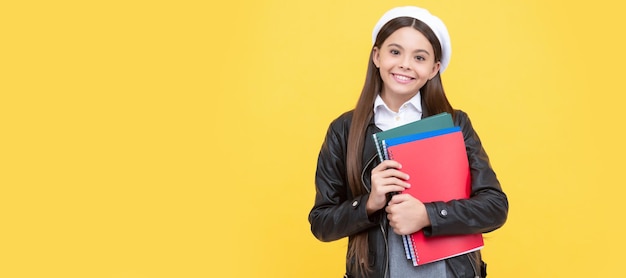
(179,138)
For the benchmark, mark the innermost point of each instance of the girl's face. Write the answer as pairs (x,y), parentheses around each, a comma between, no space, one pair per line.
(406,61)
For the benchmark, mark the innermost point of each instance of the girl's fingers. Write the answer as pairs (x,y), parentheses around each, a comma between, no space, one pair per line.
(391,173)
(392,188)
(382,182)
(387,164)
(399,198)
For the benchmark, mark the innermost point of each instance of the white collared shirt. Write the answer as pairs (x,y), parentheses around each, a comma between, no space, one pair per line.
(385,118)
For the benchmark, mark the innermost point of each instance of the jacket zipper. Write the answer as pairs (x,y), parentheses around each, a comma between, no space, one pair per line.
(382,228)
(363,172)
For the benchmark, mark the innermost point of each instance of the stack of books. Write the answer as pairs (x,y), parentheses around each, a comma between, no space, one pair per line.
(432,152)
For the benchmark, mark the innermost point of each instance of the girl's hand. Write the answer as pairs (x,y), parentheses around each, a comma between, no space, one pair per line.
(406,214)
(386,178)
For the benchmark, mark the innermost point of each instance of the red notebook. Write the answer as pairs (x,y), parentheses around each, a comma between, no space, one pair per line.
(439,171)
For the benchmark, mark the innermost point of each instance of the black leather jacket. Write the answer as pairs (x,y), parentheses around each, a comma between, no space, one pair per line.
(337,213)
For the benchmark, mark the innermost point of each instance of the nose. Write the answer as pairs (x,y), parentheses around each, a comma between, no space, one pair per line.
(405,63)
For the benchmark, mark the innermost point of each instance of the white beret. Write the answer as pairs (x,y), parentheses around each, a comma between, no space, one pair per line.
(423,15)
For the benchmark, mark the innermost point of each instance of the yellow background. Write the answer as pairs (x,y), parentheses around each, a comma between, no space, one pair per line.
(179,138)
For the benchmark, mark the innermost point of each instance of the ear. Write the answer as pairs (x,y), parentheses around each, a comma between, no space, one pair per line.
(376,56)
(436,68)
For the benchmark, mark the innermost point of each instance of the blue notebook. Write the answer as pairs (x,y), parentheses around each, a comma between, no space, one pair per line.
(418,136)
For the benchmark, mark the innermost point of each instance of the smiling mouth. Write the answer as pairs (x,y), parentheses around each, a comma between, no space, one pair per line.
(402,78)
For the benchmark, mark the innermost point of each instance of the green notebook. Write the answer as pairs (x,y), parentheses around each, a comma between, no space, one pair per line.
(439,121)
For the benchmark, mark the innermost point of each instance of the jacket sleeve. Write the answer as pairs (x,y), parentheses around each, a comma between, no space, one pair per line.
(487,207)
(336,213)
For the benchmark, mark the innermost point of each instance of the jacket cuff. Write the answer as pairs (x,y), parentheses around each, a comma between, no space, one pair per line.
(359,204)
(437,213)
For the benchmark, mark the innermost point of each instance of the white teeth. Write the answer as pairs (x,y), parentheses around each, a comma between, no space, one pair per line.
(403,78)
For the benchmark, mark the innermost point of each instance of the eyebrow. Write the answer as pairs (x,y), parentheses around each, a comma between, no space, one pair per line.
(416,51)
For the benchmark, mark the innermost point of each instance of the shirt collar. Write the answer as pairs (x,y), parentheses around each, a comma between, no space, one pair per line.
(415,101)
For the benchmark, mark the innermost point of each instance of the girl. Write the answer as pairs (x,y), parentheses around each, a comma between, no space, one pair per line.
(411,48)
